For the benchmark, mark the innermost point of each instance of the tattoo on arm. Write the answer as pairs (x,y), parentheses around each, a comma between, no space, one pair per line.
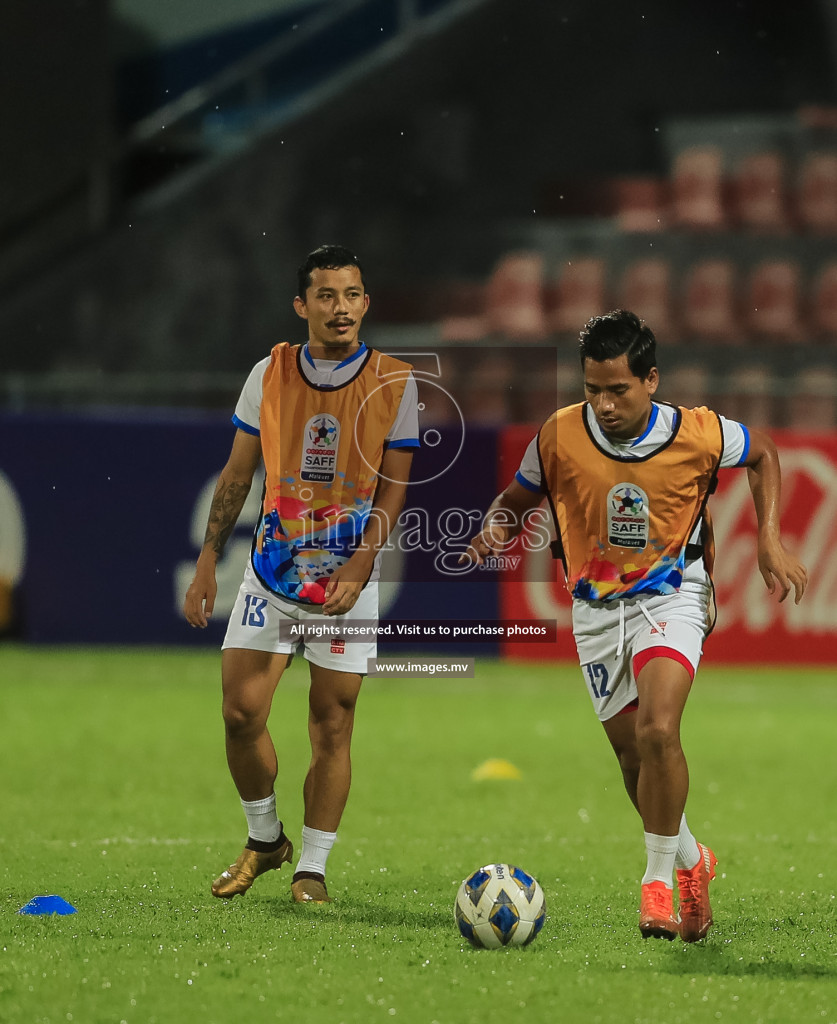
(226,507)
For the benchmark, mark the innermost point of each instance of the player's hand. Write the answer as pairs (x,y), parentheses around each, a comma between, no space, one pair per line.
(782,571)
(341,594)
(200,598)
(489,541)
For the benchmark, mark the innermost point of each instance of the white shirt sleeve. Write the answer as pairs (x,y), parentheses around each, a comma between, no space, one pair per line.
(736,448)
(528,474)
(736,442)
(247,410)
(404,432)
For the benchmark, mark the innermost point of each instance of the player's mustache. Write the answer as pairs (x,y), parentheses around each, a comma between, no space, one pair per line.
(342,321)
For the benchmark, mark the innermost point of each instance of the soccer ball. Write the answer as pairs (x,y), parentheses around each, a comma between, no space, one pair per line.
(499,905)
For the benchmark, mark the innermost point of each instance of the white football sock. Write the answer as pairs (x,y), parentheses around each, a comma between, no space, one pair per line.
(688,853)
(262,822)
(316,846)
(661,852)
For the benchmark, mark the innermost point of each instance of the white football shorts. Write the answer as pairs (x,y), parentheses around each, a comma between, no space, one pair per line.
(616,639)
(261,621)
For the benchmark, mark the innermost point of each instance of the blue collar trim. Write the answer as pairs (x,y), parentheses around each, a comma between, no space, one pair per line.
(652,419)
(306,352)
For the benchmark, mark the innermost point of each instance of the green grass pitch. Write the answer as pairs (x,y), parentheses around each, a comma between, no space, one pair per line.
(115,795)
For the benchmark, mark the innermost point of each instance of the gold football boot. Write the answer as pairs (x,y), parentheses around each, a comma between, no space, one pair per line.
(309,888)
(250,864)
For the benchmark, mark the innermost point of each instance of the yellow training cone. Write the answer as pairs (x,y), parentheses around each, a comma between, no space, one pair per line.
(495,768)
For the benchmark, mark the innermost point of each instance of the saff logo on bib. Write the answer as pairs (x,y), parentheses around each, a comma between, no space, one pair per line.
(627,516)
(320,441)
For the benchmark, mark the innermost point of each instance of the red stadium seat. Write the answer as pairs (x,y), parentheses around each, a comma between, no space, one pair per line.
(812,403)
(697,189)
(824,303)
(488,407)
(463,329)
(485,390)
(751,397)
(578,295)
(514,297)
(548,388)
(816,197)
(774,301)
(759,191)
(709,302)
(435,406)
(463,317)
(686,385)
(641,204)
(645,289)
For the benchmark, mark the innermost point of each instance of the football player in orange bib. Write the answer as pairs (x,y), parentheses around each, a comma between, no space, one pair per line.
(336,425)
(627,480)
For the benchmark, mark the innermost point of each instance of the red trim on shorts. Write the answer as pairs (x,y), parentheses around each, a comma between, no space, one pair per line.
(642,659)
(631,706)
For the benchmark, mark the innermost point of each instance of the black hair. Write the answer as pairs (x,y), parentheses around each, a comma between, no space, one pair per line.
(326,257)
(619,333)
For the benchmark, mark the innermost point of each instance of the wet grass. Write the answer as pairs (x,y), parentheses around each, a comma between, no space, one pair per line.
(116,796)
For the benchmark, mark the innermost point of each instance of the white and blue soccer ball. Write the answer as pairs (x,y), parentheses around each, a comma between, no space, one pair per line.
(500,905)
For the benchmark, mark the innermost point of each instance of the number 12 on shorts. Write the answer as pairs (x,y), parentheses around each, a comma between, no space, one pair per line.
(597,674)
(253,610)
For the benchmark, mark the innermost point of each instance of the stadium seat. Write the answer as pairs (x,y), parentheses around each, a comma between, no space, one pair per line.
(818,119)
(709,302)
(823,305)
(578,295)
(816,196)
(439,385)
(495,368)
(773,311)
(645,289)
(751,397)
(759,193)
(548,388)
(487,407)
(463,329)
(463,318)
(487,386)
(641,204)
(686,385)
(812,402)
(697,189)
(436,407)
(514,297)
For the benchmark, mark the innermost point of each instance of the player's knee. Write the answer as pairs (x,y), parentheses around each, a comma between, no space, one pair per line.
(629,762)
(332,731)
(657,738)
(242,719)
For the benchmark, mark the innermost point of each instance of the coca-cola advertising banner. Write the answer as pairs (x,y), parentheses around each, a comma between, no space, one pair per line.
(752,625)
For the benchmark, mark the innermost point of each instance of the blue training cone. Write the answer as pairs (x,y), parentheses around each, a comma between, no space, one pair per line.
(47,905)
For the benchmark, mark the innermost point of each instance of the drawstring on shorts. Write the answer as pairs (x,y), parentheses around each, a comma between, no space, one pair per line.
(654,625)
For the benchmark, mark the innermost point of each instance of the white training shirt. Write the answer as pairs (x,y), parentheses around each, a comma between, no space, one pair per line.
(325,373)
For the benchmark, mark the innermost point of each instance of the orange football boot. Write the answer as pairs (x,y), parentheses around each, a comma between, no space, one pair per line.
(693,886)
(656,913)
